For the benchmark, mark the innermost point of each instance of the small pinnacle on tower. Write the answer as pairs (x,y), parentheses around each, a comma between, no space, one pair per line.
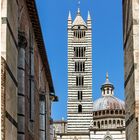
(69,17)
(88,18)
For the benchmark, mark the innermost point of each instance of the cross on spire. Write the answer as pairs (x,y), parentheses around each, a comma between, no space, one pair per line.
(78,3)
(107,76)
(78,12)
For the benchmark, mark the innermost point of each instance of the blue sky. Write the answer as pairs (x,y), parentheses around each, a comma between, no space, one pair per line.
(107,43)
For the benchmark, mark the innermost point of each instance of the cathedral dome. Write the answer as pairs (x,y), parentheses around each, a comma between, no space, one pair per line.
(108,103)
(108,111)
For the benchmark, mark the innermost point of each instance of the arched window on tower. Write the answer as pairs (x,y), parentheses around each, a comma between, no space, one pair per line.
(94,123)
(79,108)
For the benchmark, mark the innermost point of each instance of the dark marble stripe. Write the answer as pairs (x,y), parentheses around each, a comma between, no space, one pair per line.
(11,119)
(129,75)
(10,72)
(129,120)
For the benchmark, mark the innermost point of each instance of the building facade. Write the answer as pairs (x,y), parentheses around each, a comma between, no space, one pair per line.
(131,66)
(79,106)
(27,89)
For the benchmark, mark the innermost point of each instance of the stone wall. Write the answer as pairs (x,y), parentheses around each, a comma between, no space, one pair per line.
(131,66)
(9,53)
(26,76)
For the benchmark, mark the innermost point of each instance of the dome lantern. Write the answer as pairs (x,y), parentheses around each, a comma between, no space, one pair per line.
(107,88)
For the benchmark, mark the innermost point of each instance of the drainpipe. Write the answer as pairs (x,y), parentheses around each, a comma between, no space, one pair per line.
(22,43)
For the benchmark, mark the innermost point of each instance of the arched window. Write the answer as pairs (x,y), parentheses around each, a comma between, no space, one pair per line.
(118,122)
(102,123)
(116,111)
(107,112)
(120,111)
(114,122)
(103,112)
(95,113)
(79,108)
(121,122)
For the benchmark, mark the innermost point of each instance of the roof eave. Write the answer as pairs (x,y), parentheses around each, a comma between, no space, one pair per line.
(32,10)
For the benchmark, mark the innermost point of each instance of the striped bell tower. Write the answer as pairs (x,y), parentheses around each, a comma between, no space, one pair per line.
(79,104)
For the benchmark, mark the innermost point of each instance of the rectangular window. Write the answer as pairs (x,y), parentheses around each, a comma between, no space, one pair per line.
(79,80)
(80,95)
(42,116)
(79,66)
(83,66)
(107,90)
(79,52)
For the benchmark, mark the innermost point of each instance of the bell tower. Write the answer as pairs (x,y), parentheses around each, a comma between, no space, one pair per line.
(79,104)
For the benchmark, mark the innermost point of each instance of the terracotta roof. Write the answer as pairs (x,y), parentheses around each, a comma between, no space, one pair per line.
(32,9)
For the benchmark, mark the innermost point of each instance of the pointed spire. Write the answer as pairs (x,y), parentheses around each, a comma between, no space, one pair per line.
(88,18)
(107,77)
(69,17)
(78,12)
